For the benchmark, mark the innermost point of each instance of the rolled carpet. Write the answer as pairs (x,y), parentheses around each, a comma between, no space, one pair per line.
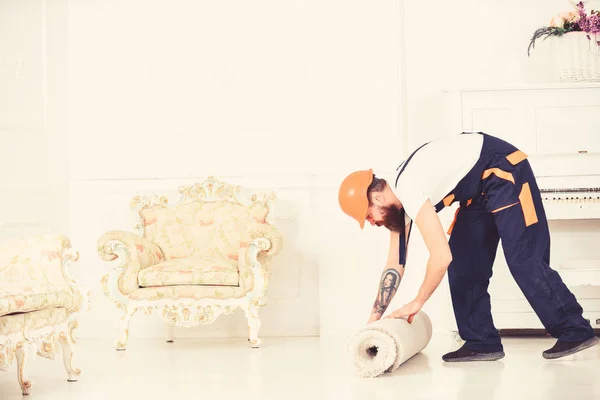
(382,346)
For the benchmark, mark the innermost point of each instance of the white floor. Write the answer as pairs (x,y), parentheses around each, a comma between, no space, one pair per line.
(303,368)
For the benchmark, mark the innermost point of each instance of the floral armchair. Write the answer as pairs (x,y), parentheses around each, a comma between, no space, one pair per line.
(39,303)
(207,255)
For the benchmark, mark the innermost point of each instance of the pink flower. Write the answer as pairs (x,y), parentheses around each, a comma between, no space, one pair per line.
(571,16)
(557,22)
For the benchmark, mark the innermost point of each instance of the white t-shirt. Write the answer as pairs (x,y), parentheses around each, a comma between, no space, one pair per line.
(435,170)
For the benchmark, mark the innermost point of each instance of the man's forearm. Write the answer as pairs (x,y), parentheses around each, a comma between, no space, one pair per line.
(388,286)
(436,269)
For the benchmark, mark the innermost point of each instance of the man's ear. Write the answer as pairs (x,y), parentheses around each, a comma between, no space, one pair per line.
(377,198)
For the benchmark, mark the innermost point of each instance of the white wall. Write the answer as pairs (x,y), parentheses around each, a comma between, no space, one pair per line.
(289,96)
(195,80)
(33,106)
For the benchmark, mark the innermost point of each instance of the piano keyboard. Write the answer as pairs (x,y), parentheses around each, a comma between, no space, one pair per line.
(571,203)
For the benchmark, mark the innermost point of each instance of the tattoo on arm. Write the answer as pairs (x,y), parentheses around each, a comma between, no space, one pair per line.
(390,280)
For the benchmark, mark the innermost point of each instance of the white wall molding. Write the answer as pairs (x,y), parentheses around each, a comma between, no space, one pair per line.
(259,181)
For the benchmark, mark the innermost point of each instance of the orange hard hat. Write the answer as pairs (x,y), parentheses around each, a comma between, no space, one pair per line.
(353,195)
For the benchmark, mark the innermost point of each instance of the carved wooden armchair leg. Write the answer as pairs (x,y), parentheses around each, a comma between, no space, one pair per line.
(123,329)
(253,323)
(67,342)
(170,333)
(23,353)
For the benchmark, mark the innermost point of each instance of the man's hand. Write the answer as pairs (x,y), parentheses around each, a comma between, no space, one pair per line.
(409,310)
(374,317)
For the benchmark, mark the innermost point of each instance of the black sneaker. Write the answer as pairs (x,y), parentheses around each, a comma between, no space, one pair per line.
(465,354)
(562,349)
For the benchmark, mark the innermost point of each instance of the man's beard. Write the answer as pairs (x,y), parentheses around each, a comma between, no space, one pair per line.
(393,218)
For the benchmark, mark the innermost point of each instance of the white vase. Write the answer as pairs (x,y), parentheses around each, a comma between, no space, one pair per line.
(577,59)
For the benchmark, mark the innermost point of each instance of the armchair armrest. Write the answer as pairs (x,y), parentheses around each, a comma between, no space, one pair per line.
(260,242)
(267,238)
(135,253)
(43,258)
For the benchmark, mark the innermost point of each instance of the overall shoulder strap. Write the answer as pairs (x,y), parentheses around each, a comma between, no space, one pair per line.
(402,244)
(404,163)
(403,237)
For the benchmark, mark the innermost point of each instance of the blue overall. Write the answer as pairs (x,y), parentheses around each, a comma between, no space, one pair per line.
(499,199)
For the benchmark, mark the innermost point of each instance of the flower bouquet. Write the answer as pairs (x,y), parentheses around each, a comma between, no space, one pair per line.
(576,43)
